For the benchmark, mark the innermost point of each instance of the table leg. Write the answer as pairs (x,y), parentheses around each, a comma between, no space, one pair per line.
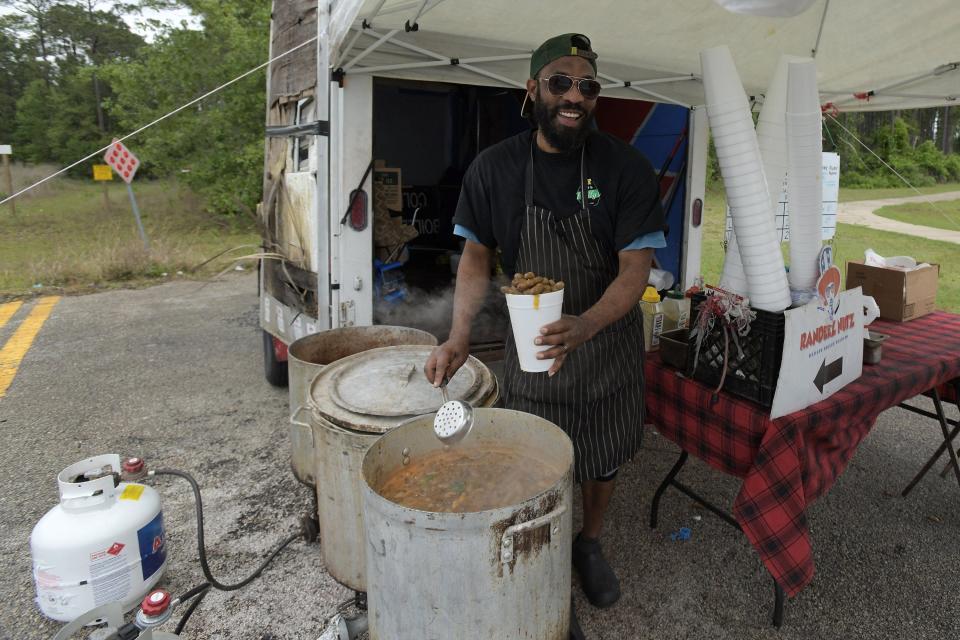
(946,445)
(655,507)
(778,598)
(947,436)
(956,397)
(671,481)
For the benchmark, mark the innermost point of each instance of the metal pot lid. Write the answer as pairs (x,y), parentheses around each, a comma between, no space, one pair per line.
(377,389)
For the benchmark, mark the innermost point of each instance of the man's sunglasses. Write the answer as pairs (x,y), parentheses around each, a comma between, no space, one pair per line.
(558,84)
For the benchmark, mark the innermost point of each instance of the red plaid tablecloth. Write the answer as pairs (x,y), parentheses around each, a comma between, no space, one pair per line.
(789,462)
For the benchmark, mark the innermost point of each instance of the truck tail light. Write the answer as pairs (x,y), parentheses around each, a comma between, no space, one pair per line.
(358,210)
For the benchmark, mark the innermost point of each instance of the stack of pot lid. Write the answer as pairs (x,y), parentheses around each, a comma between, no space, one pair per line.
(375,390)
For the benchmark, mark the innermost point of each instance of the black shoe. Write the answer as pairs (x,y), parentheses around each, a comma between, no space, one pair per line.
(599,582)
(576,633)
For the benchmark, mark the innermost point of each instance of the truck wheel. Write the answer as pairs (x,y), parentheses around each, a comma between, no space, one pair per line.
(274,368)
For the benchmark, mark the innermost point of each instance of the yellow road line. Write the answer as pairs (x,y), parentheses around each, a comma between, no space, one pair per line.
(19,343)
(7,310)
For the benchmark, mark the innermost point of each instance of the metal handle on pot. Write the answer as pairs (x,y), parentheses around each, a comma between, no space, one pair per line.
(296,415)
(506,544)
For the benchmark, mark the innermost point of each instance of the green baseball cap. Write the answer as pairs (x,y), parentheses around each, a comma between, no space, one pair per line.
(568,44)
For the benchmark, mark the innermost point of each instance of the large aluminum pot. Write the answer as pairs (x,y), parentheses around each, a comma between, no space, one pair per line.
(354,401)
(309,355)
(503,573)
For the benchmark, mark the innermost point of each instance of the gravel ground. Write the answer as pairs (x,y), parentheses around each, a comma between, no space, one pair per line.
(174,374)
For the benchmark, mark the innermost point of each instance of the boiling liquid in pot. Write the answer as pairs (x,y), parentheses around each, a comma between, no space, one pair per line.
(468,478)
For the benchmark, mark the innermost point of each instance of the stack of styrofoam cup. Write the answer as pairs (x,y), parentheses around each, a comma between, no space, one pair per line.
(772,130)
(733,278)
(804,160)
(740,166)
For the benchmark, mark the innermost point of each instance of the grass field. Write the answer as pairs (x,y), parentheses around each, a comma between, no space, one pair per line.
(849,244)
(65,239)
(849,195)
(942,215)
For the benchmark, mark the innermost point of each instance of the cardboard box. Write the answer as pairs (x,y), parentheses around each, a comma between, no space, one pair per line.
(387,188)
(901,295)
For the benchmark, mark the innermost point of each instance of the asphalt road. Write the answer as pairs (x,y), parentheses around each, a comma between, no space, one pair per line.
(174,374)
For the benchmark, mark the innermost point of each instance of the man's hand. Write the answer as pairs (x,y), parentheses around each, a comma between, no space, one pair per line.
(567,333)
(445,360)
(623,294)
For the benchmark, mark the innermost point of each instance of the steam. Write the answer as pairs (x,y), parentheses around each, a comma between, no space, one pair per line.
(433,311)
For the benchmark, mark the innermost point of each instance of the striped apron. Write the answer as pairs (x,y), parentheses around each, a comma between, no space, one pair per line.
(597,397)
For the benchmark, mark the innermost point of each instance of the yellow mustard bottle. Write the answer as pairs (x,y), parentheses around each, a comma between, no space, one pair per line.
(652,310)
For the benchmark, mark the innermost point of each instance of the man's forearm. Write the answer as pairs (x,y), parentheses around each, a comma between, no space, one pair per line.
(473,281)
(623,293)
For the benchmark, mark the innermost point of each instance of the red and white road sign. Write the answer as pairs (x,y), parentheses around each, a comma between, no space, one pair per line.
(122,160)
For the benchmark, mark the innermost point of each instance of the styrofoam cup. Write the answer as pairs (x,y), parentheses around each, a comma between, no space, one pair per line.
(751,202)
(743,199)
(775,99)
(746,179)
(758,241)
(769,279)
(735,158)
(738,103)
(810,118)
(732,148)
(774,287)
(721,82)
(733,278)
(805,139)
(528,314)
(729,117)
(731,130)
(736,168)
(802,95)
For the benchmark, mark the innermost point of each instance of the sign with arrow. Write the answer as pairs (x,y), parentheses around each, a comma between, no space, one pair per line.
(828,373)
(822,348)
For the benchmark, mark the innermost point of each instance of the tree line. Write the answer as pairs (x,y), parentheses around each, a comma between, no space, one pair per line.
(73,75)
(919,144)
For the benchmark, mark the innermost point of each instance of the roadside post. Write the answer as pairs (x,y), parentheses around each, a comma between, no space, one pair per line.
(5,151)
(125,163)
(103,173)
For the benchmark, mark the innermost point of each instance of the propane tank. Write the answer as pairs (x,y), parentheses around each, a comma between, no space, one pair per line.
(103,543)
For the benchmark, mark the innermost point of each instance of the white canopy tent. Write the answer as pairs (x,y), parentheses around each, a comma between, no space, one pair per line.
(892,54)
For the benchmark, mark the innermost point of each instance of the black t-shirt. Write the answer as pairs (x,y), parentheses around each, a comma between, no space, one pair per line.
(622,192)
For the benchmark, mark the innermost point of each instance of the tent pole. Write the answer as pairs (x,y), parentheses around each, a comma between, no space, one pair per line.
(345,50)
(662,80)
(435,63)
(490,74)
(413,23)
(939,71)
(400,67)
(400,8)
(653,94)
(516,56)
(367,20)
(363,54)
(823,19)
(407,45)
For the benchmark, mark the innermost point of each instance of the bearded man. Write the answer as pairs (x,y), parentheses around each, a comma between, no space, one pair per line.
(570,203)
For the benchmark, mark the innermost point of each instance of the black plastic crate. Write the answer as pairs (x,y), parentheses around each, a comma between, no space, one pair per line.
(753,377)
